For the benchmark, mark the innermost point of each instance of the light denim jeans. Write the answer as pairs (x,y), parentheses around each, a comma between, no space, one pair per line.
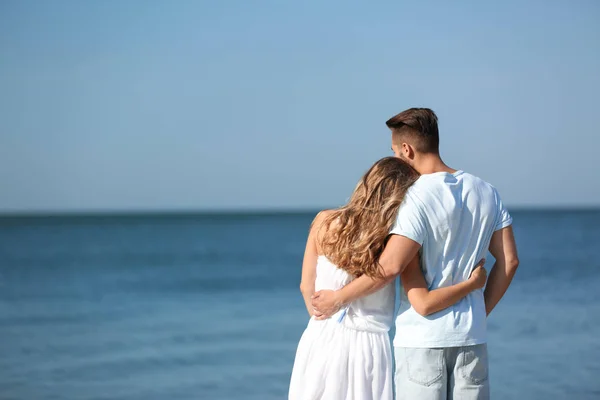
(452,373)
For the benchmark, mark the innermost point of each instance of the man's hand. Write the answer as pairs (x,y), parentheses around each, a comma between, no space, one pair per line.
(325,303)
(398,252)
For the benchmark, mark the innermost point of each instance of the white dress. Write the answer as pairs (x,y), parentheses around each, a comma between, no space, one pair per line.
(347,356)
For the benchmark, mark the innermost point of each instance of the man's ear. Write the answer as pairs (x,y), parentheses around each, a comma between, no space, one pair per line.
(408,151)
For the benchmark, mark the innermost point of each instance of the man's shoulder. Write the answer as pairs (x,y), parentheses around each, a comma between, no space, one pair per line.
(431,181)
(433,186)
(477,182)
(440,178)
(475,179)
(425,182)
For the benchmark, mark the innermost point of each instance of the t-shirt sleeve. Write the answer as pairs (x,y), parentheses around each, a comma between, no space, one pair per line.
(410,221)
(504,219)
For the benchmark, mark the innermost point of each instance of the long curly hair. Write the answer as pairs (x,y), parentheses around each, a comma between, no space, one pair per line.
(354,236)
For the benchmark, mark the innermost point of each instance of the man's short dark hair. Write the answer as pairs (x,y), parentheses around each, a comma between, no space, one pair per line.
(418,127)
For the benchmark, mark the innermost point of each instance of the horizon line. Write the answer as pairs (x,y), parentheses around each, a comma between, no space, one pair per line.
(234,211)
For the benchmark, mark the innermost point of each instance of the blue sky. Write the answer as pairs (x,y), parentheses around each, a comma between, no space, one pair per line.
(143,105)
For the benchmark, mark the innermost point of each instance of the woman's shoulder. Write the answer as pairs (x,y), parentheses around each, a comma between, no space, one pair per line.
(321,225)
(323,214)
(320,219)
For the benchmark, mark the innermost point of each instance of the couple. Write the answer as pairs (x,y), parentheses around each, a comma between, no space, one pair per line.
(410,216)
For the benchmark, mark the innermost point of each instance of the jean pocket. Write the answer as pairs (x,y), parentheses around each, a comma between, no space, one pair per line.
(475,364)
(424,366)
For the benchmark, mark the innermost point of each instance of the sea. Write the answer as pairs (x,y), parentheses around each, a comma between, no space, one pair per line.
(207,306)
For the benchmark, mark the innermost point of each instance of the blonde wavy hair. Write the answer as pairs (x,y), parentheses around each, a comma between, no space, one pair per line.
(354,236)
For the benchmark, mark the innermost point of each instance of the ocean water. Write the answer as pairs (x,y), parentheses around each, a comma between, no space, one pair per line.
(208,307)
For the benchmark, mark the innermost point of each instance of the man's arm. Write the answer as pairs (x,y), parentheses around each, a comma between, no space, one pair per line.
(504,250)
(398,253)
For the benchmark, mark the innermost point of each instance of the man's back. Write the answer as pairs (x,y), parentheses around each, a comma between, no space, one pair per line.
(453,217)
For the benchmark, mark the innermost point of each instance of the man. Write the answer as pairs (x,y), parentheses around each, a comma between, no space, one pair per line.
(449,218)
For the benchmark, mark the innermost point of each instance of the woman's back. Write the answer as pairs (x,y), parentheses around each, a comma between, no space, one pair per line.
(372,313)
(347,356)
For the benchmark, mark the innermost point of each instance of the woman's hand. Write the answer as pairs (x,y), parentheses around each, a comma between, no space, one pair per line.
(479,275)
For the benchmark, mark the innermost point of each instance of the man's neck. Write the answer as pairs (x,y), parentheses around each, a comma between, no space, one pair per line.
(432,163)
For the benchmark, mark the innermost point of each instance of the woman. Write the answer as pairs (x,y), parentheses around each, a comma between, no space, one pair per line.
(348,356)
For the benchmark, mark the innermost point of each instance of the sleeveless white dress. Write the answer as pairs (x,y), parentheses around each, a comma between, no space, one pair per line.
(347,356)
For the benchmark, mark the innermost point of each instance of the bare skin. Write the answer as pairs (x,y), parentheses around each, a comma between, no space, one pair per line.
(504,250)
(426,302)
(400,251)
(423,300)
(309,264)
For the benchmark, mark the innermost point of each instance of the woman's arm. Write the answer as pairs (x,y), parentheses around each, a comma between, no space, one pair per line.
(427,302)
(309,264)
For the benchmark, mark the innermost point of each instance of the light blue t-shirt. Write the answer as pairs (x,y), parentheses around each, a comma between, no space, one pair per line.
(453,217)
